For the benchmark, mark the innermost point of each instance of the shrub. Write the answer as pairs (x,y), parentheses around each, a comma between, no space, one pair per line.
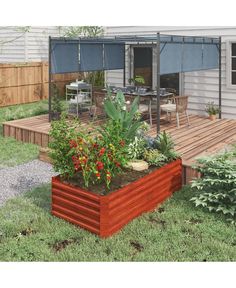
(216,190)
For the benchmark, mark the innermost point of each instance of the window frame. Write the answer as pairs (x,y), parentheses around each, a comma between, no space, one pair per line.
(229,63)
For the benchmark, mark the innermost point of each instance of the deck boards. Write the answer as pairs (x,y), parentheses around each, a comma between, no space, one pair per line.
(202,137)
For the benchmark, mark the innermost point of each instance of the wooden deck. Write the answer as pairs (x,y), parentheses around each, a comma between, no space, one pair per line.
(202,137)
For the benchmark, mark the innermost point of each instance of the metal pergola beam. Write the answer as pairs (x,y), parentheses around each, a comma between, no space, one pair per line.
(220,79)
(157,38)
(158,46)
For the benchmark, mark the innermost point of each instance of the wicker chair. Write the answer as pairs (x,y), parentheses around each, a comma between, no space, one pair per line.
(98,103)
(179,105)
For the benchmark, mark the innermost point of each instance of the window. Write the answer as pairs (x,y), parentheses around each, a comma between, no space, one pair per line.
(233,63)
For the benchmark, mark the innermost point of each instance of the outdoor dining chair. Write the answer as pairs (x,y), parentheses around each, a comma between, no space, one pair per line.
(179,105)
(98,103)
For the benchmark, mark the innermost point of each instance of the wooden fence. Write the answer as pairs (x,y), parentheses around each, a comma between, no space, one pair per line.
(28,82)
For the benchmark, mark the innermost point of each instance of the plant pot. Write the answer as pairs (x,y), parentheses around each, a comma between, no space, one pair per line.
(105,215)
(212,117)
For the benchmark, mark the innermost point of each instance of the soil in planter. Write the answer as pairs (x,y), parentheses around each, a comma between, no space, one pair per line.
(128,176)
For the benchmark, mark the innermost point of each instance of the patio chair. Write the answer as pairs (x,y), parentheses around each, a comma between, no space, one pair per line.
(179,105)
(98,103)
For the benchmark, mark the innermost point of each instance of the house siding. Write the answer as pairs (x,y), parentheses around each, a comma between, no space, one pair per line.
(26,47)
(200,86)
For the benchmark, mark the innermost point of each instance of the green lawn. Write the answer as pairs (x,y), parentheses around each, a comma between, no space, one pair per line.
(176,232)
(13,152)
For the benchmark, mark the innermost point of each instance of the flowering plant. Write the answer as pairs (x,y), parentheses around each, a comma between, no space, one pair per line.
(98,158)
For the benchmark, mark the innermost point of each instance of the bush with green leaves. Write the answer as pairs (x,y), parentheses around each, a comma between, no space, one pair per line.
(216,190)
(116,110)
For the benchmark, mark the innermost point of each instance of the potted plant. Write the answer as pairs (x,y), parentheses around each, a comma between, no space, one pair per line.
(96,188)
(212,110)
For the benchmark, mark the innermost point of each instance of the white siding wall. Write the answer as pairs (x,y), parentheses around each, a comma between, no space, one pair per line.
(201,86)
(29,46)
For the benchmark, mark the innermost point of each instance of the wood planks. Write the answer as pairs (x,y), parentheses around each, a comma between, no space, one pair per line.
(202,137)
(28,82)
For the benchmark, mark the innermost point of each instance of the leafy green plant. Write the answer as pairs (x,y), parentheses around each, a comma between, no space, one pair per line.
(154,157)
(164,143)
(61,133)
(216,190)
(97,158)
(137,79)
(116,111)
(136,148)
(212,109)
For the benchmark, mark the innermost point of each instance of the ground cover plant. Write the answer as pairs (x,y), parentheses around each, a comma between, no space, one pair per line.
(176,231)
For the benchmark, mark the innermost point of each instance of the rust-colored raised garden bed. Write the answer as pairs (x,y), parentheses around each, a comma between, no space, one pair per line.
(106,214)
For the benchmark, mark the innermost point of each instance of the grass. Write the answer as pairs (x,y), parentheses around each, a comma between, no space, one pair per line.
(175,232)
(13,152)
(23,110)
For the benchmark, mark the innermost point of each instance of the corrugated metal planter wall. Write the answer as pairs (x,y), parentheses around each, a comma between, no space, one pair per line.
(105,215)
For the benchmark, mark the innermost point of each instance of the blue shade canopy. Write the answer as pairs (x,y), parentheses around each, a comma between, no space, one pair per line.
(91,57)
(192,57)
(210,57)
(177,53)
(114,56)
(171,58)
(187,57)
(64,58)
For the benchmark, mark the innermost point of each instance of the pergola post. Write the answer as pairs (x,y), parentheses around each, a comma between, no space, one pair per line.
(49,81)
(220,80)
(158,83)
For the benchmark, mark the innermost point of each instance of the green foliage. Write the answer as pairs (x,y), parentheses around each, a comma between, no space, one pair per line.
(95,78)
(57,106)
(212,109)
(97,158)
(136,148)
(216,190)
(137,79)
(61,133)
(82,31)
(165,145)
(116,110)
(154,157)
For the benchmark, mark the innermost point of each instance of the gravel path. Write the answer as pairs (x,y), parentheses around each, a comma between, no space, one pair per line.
(21,178)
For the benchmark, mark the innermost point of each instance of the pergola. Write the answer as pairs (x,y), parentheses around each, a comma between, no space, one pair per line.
(174,54)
